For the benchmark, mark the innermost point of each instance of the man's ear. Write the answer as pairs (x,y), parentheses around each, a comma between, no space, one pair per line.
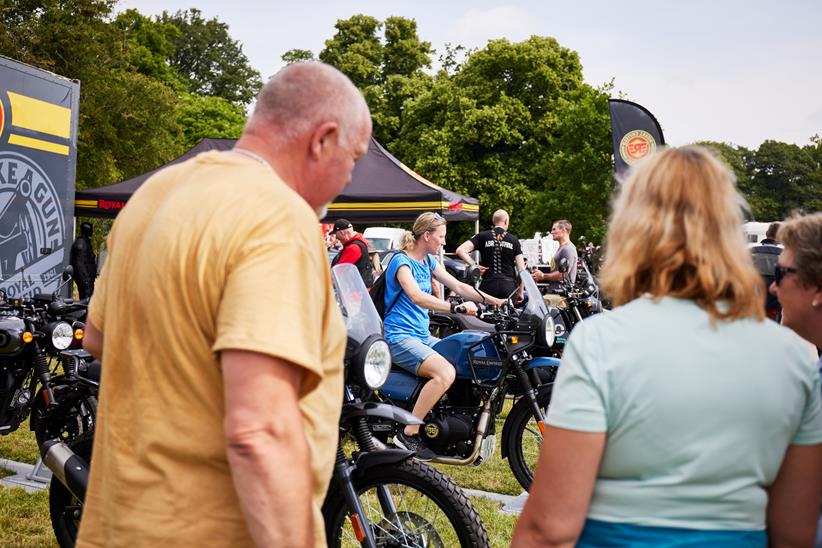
(323,136)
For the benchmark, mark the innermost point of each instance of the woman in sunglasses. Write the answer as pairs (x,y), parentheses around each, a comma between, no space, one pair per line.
(798,277)
(408,299)
(682,417)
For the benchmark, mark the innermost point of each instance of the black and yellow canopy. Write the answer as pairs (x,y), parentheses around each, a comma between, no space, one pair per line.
(382,190)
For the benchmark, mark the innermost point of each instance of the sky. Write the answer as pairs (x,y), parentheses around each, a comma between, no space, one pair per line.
(738,71)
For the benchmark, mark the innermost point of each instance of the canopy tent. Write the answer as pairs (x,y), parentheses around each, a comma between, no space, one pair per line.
(382,190)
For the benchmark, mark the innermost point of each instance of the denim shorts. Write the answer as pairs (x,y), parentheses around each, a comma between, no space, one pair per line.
(410,352)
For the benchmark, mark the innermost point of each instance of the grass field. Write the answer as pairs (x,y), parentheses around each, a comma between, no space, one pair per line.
(24,517)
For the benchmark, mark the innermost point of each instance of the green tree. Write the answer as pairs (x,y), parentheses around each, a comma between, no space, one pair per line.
(387,68)
(518,128)
(296,56)
(128,120)
(202,117)
(148,46)
(782,179)
(356,50)
(211,62)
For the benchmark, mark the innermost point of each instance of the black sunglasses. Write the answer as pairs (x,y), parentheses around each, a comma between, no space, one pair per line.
(780,272)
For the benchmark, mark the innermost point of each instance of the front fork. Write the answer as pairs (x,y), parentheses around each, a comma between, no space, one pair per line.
(343,472)
(530,392)
(43,373)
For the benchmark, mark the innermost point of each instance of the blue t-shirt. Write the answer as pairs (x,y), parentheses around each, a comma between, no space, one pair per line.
(406,319)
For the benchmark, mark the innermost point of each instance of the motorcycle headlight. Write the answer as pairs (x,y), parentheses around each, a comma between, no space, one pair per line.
(61,335)
(547,332)
(377,364)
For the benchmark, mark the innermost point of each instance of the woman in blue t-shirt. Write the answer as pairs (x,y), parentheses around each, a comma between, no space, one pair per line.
(408,299)
(682,417)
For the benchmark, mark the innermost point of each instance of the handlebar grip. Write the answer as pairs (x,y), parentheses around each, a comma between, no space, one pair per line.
(459,309)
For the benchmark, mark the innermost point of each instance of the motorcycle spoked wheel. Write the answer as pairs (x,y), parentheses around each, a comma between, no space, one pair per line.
(432,511)
(522,437)
(73,420)
(65,509)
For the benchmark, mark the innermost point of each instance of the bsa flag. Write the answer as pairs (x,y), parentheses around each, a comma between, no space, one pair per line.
(635,131)
(38,151)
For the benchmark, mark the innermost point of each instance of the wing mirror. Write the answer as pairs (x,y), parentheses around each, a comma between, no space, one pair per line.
(472,274)
(563,265)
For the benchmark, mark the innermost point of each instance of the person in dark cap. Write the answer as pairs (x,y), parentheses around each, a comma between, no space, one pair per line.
(84,262)
(354,251)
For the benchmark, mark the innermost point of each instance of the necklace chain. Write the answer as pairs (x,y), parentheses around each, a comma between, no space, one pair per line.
(252,155)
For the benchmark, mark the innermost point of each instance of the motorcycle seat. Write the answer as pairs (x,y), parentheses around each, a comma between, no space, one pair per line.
(467,322)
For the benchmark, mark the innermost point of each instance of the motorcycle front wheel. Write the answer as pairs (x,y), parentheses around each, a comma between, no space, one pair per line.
(409,504)
(522,437)
(65,509)
(72,417)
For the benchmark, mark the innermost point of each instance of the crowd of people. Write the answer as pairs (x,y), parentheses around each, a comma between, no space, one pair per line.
(682,417)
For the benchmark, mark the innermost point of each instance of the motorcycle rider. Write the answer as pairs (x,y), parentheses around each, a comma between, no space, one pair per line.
(561,232)
(500,257)
(217,420)
(354,250)
(407,301)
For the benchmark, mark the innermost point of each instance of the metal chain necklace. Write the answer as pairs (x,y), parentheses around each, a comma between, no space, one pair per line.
(252,155)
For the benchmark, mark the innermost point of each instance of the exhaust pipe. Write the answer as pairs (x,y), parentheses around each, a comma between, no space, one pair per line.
(67,466)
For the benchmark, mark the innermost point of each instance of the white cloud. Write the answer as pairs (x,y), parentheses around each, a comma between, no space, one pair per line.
(476,27)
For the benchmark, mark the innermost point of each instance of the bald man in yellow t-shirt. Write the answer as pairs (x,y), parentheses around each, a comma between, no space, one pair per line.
(221,341)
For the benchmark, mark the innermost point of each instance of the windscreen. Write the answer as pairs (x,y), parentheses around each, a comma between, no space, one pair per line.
(361,318)
(536,305)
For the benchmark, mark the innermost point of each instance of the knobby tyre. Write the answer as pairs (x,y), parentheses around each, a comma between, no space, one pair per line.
(64,508)
(431,510)
(522,437)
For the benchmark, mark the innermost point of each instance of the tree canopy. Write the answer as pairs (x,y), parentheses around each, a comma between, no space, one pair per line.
(513,124)
(141,104)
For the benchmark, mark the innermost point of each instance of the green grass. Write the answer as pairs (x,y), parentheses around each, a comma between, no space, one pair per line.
(500,525)
(24,517)
(19,445)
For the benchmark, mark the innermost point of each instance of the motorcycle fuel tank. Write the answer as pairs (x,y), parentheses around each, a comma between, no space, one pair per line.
(456,348)
(11,336)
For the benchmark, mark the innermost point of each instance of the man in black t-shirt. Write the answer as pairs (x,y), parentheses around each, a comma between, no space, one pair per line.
(500,257)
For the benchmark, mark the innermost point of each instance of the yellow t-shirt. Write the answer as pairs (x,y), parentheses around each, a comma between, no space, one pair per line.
(215,253)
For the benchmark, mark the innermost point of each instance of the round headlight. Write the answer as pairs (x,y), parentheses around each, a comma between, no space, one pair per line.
(61,336)
(548,333)
(377,364)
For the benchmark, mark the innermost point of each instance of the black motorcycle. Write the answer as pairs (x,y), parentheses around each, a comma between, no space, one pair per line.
(377,498)
(39,336)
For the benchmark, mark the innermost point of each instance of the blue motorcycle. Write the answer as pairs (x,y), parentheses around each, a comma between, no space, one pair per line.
(490,363)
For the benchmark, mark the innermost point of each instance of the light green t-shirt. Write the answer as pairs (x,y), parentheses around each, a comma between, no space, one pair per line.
(698,417)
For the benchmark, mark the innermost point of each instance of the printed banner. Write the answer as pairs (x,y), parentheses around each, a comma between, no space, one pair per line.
(38,154)
(635,131)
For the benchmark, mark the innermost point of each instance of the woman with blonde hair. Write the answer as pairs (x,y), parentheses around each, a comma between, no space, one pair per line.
(408,299)
(682,417)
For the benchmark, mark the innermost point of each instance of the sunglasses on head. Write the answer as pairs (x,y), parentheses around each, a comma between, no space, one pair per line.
(780,272)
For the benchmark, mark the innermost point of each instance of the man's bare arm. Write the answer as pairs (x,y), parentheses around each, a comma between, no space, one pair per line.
(464,252)
(267,450)
(93,340)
